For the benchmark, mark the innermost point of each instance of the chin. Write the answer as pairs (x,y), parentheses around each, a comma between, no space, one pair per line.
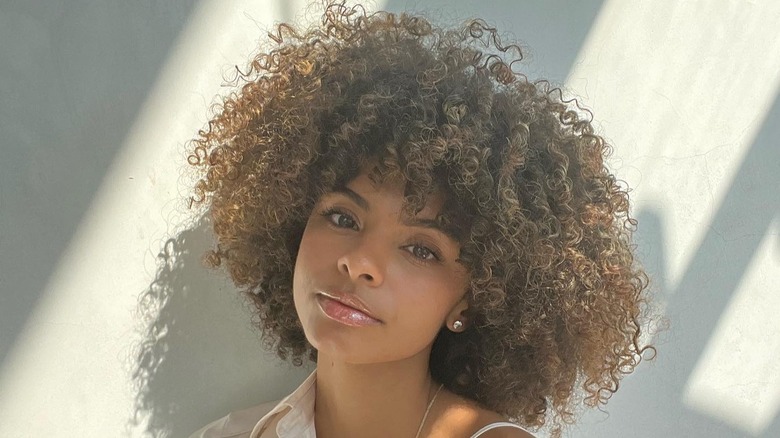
(343,346)
(340,342)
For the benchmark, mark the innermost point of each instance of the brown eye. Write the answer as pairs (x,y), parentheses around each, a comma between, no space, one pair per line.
(339,218)
(423,252)
(343,220)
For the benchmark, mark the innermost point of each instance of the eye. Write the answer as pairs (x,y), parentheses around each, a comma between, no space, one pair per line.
(423,253)
(339,218)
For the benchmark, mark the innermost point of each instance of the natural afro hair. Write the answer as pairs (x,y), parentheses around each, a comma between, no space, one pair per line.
(556,299)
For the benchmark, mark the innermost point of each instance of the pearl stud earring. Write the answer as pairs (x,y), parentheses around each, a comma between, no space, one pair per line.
(457,325)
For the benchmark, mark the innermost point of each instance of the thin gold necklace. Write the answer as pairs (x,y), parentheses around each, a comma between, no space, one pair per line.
(422,423)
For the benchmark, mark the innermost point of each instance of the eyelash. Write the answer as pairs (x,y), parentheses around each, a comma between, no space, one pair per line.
(335,210)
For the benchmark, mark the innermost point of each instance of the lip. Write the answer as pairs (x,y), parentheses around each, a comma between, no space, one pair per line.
(346,309)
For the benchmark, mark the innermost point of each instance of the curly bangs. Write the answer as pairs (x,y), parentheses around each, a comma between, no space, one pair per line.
(555,294)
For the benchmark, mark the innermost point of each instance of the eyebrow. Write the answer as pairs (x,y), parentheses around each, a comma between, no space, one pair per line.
(357,199)
(430,224)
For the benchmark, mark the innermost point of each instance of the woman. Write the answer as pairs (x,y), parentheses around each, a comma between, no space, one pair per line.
(438,234)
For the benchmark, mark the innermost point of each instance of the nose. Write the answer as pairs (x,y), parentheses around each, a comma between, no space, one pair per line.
(363,263)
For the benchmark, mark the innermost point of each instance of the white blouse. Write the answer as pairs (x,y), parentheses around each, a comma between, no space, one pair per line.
(292,417)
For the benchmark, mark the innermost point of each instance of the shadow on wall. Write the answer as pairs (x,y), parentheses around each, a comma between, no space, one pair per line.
(696,304)
(72,79)
(198,358)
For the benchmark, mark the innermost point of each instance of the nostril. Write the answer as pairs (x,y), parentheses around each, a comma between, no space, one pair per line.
(359,268)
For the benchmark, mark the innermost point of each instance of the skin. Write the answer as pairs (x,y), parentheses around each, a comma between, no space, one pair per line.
(376,378)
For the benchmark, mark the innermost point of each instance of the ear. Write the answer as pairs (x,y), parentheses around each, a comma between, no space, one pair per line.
(457,321)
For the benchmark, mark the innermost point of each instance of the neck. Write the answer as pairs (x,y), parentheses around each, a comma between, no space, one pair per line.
(384,399)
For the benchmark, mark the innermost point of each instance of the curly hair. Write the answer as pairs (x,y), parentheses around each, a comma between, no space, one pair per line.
(556,298)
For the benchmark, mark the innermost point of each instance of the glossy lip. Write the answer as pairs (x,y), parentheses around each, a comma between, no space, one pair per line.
(349,300)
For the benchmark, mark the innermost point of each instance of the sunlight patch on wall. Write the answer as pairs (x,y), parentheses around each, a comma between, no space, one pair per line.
(737,378)
(674,87)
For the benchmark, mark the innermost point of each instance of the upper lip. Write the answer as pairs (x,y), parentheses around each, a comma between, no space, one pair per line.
(350,300)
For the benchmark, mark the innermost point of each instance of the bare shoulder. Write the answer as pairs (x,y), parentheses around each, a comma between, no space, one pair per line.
(461,417)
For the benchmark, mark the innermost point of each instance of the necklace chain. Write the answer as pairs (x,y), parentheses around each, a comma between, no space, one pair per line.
(422,423)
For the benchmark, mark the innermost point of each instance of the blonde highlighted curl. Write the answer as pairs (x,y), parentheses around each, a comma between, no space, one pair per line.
(556,297)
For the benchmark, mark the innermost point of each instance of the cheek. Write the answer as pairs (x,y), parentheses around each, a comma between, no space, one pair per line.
(421,305)
(423,302)
(309,246)
(305,274)
(304,266)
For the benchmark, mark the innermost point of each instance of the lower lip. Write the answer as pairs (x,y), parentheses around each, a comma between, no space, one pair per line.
(344,314)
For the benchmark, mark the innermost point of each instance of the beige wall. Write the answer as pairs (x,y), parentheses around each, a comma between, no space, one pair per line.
(97,99)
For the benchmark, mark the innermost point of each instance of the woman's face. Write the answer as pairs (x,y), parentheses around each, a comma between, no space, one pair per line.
(359,251)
